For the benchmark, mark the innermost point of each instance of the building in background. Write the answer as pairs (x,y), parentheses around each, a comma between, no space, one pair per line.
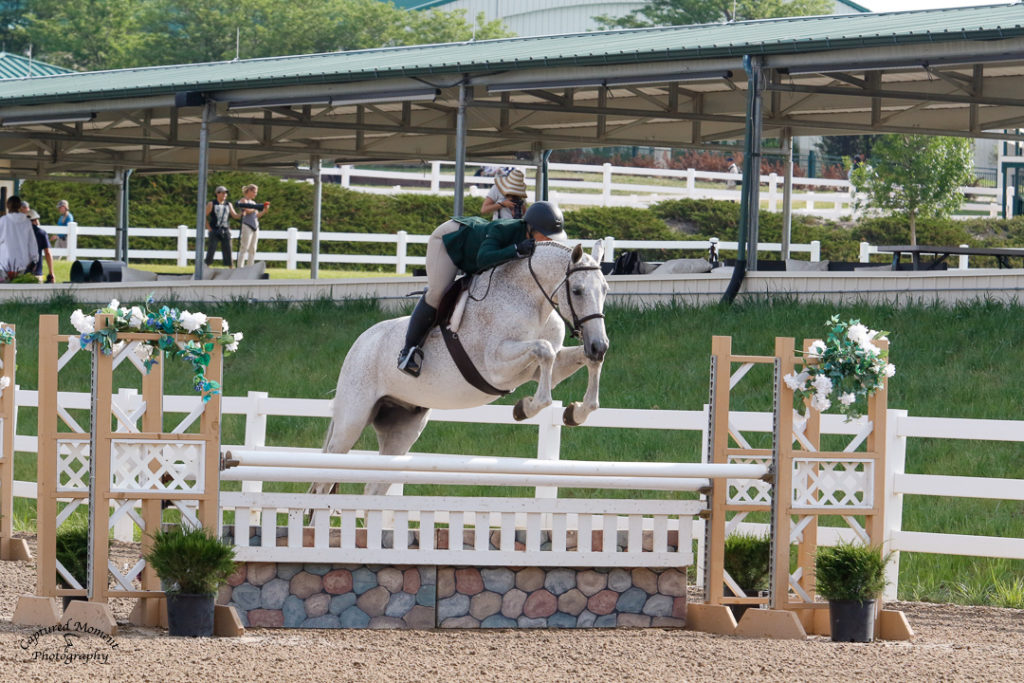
(544,17)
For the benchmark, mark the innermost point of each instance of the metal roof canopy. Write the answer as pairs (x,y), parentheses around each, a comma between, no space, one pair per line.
(943,72)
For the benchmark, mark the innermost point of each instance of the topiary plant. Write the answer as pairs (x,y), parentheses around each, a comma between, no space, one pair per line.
(191,561)
(72,545)
(747,560)
(850,571)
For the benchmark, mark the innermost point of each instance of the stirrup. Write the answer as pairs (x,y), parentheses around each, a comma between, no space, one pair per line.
(411,360)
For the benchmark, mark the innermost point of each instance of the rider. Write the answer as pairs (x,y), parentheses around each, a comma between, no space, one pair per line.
(472,244)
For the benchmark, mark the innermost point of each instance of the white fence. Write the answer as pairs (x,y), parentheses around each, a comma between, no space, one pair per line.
(607,185)
(184,253)
(258,406)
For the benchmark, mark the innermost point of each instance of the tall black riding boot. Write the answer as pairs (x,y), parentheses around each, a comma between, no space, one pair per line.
(423,318)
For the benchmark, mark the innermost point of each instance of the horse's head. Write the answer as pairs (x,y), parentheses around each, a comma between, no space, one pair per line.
(583,295)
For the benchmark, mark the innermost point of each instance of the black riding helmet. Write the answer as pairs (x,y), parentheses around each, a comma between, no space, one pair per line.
(546,218)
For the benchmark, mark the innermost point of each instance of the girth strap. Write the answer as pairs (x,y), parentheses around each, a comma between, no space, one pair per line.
(465,365)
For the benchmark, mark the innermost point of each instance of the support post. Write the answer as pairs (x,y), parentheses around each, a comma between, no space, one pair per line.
(318,196)
(204,142)
(787,192)
(460,151)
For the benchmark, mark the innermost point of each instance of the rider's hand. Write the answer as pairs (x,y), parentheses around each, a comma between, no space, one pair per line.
(525,248)
(49,278)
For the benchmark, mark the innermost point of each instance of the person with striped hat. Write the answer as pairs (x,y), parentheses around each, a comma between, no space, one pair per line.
(507,199)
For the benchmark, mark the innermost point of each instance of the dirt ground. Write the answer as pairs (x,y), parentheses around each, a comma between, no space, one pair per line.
(952,643)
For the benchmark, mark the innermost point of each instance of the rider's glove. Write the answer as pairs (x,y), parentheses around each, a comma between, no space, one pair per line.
(525,248)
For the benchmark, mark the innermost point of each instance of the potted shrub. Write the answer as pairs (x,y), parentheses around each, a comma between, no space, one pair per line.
(850,576)
(747,560)
(192,564)
(72,545)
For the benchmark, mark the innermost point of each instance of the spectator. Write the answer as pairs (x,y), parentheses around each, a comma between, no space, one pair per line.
(43,242)
(65,217)
(731,169)
(507,199)
(25,208)
(218,226)
(18,249)
(251,215)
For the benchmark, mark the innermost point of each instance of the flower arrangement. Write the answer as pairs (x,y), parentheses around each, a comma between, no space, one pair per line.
(847,364)
(6,337)
(167,322)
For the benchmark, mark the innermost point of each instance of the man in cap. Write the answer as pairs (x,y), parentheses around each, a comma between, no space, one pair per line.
(218,226)
(43,242)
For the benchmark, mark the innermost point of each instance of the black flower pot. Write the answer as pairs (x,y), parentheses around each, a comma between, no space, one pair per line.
(852,621)
(190,615)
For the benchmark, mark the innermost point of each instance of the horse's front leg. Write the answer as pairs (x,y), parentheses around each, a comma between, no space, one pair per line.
(569,360)
(517,357)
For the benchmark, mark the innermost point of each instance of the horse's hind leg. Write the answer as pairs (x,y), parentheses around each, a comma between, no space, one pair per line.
(397,429)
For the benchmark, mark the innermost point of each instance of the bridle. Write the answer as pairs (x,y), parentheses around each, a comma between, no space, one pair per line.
(576,323)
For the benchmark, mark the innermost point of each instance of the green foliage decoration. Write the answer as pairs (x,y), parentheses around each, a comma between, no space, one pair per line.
(849,571)
(847,365)
(167,322)
(191,561)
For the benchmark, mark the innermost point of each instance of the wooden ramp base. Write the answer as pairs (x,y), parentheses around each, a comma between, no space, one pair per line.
(81,614)
(893,625)
(771,623)
(226,623)
(150,612)
(710,618)
(15,550)
(33,610)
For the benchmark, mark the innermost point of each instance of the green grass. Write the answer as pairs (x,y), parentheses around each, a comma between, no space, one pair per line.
(965,361)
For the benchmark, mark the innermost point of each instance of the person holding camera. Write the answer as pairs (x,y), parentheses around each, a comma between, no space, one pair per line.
(507,199)
(472,244)
(251,215)
(219,212)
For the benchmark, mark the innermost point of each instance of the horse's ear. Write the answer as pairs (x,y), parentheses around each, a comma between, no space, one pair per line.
(577,253)
(598,251)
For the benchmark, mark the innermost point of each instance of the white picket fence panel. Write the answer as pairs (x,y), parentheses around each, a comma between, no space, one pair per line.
(258,406)
(823,197)
(388,524)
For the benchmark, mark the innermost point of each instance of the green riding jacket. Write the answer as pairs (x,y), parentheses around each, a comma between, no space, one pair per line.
(480,244)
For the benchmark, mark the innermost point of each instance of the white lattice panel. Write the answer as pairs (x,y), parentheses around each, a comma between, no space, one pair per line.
(144,465)
(749,491)
(832,483)
(72,465)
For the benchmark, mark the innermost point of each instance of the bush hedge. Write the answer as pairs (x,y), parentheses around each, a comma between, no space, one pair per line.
(169,200)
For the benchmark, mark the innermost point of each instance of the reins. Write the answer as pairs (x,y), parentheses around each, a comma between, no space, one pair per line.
(577,322)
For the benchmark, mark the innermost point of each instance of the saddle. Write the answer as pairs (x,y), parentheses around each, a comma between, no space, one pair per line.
(449,315)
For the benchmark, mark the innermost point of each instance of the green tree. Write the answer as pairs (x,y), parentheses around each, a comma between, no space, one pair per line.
(838,146)
(919,175)
(152,32)
(684,12)
(85,35)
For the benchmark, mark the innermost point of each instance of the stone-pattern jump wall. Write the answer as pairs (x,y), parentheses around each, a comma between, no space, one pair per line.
(359,596)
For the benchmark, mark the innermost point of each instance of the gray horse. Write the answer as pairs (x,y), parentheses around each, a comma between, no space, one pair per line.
(511,326)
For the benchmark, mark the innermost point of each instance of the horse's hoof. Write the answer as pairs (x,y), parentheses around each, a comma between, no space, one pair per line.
(518,412)
(567,417)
